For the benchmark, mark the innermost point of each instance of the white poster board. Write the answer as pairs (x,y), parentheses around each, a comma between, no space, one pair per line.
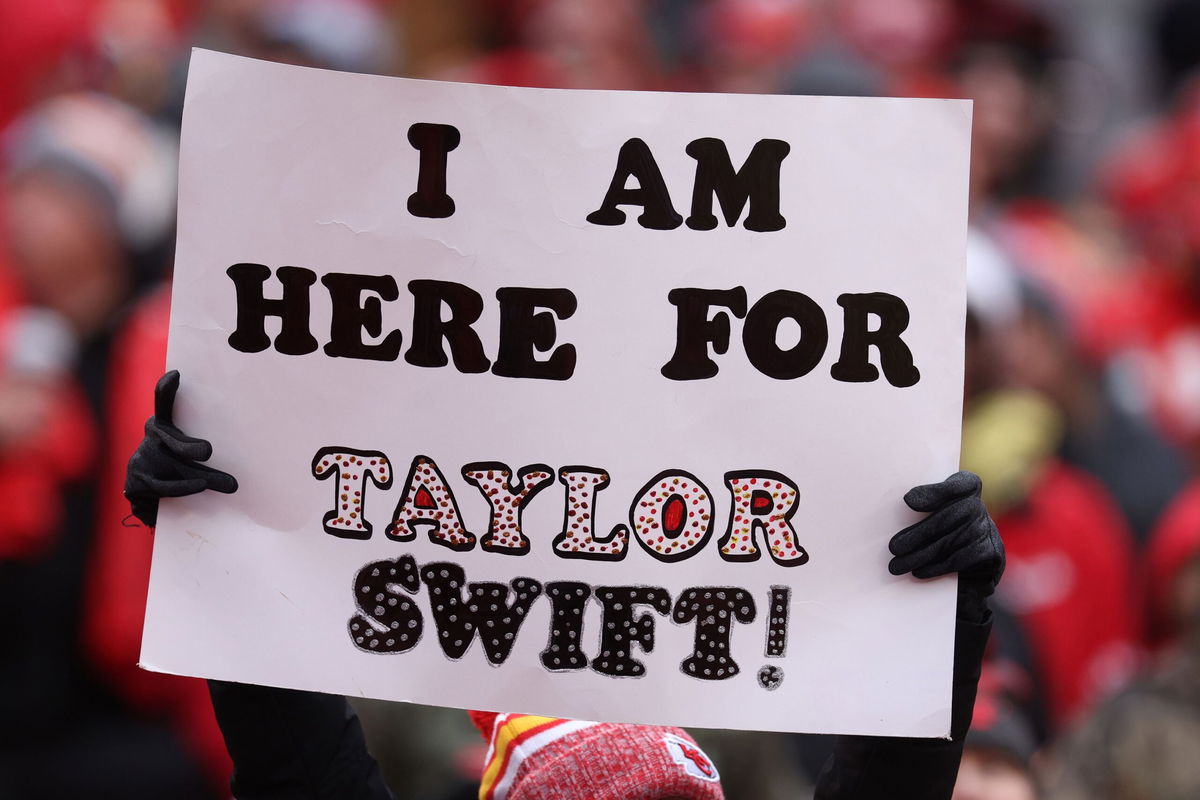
(730,327)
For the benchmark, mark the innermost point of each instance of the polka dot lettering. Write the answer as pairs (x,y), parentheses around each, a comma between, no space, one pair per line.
(770,677)
(483,609)
(507,501)
(350,470)
(577,539)
(714,608)
(778,600)
(620,630)
(763,502)
(672,515)
(388,620)
(428,501)
(568,600)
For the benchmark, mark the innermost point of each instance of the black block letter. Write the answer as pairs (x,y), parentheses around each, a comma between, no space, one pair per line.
(434,142)
(429,328)
(250,336)
(762,327)
(854,364)
(524,331)
(635,160)
(352,314)
(694,331)
(756,183)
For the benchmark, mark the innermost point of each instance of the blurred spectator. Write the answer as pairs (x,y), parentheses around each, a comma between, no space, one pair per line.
(997,758)
(1140,470)
(1141,744)
(751,46)
(570,44)
(907,40)
(1002,63)
(1068,580)
(1063,533)
(1154,324)
(137,43)
(89,212)
(1068,266)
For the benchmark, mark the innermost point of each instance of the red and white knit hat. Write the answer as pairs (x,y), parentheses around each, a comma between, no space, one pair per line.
(543,758)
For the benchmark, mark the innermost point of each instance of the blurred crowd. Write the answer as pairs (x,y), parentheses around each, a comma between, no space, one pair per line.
(1083,353)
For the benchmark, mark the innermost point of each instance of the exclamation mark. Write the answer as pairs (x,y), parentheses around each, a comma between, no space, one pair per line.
(770,676)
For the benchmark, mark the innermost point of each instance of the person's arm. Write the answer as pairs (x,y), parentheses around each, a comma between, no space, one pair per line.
(957,536)
(284,743)
(291,744)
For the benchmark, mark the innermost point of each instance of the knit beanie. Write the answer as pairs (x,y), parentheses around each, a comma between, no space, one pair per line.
(998,725)
(543,758)
(127,160)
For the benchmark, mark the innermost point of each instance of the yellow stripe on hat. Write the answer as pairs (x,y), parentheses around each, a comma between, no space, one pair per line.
(510,729)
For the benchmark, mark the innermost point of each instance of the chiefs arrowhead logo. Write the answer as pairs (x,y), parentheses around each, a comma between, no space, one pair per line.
(691,758)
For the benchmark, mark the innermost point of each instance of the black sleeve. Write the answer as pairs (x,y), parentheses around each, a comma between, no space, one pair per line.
(884,768)
(294,745)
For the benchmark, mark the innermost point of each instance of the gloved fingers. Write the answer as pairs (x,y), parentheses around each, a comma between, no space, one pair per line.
(215,479)
(144,493)
(938,554)
(178,443)
(211,478)
(164,396)
(930,496)
(166,487)
(164,476)
(936,525)
(977,559)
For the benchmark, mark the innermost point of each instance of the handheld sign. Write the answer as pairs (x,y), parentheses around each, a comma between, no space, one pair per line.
(587,404)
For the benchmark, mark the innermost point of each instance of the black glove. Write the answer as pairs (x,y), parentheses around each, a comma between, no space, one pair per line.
(957,536)
(166,463)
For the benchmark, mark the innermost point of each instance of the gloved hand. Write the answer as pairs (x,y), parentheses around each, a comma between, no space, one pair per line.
(957,536)
(166,463)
